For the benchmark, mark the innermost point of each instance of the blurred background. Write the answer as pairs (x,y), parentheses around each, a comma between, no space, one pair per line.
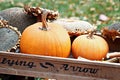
(98,12)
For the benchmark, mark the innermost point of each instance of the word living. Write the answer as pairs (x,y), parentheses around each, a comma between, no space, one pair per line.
(11,62)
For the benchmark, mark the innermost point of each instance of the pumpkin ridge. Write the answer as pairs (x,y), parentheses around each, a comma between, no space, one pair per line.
(59,45)
(53,43)
(63,49)
(94,46)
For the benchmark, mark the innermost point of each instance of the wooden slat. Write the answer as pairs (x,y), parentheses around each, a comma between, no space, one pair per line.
(57,68)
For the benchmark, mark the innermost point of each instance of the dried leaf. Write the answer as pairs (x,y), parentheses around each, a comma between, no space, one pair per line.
(113,34)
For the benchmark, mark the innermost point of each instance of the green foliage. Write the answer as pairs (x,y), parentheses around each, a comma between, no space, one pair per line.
(89,10)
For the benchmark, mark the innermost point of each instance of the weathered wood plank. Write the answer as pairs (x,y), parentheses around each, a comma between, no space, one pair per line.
(58,68)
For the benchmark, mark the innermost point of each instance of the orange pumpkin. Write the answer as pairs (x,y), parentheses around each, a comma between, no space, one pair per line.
(91,47)
(43,38)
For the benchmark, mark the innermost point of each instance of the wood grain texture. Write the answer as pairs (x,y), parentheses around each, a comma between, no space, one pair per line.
(56,67)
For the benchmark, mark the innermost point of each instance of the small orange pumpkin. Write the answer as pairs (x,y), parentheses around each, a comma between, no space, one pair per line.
(91,47)
(43,38)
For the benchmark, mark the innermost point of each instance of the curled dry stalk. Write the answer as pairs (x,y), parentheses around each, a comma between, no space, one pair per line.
(113,57)
(37,11)
(114,60)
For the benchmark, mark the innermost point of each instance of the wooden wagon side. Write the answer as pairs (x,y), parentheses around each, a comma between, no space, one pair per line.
(57,68)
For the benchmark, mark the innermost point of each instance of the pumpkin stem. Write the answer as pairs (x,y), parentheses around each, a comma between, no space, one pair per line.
(91,33)
(44,22)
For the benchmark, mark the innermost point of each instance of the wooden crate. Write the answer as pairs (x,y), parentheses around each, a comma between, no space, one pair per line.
(57,68)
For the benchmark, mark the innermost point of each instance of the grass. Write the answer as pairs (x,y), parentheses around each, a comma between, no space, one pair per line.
(88,10)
